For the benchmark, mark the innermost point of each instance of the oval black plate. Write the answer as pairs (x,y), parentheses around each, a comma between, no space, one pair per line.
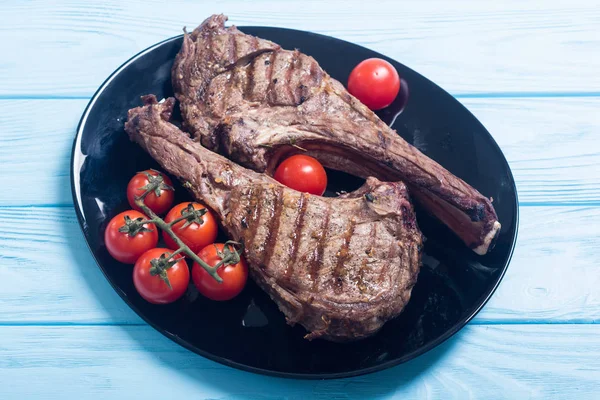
(249,332)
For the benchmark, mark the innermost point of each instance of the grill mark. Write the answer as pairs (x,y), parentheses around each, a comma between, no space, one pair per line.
(231,49)
(288,76)
(382,139)
(255,212)
(342,256)
(269,74)
(313,71)
(249,89)
(273,227)
(369,253)
(373,237)
(386,265)
(209,47)
(239,41)
(316,74)
(271,65)
(297,234)
(317,260)
(253,44)
(233,84)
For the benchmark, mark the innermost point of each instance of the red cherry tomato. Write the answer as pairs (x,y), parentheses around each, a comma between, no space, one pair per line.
(159,204)
(375,82)
(234,275)
(133,240)
(302,173)
(195,235)
(151,282)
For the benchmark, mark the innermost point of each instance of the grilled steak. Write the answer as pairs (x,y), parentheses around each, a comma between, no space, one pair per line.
(341,267)
(256,103)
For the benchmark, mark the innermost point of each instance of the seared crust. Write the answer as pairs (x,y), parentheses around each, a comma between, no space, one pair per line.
(340,267)
(253,101)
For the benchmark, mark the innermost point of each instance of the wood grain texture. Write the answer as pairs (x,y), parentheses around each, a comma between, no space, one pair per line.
(527,70)
(552,145)
(480,362)
(47,273)
(68,48)
(35,150)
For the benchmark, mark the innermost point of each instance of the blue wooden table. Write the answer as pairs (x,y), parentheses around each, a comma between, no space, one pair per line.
(530,71)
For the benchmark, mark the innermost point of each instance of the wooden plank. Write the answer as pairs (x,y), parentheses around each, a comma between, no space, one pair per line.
(554,274)
(491,362)
(69,48)
(35,150)
(552,146)
(47,274)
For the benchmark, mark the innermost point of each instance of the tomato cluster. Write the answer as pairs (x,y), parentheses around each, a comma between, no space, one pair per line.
(159,275)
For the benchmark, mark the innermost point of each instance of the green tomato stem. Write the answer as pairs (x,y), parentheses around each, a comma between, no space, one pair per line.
(156,220)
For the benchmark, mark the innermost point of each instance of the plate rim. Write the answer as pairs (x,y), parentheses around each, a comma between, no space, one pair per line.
(75,164)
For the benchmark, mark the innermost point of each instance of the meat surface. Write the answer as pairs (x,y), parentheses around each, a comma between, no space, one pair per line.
(254,102)
(341,267)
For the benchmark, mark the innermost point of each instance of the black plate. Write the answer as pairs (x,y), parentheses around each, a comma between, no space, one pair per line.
(249,332)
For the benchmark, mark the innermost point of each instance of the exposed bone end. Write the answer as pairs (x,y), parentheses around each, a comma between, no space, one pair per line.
(482,249)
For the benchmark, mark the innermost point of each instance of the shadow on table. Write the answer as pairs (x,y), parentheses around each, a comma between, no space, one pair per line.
(236,383)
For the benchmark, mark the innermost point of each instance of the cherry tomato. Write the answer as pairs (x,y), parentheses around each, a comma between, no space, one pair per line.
(375,82)
(126,240)
(302,173)
(234,275)
(196,231)
(152,281)
(164,188)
